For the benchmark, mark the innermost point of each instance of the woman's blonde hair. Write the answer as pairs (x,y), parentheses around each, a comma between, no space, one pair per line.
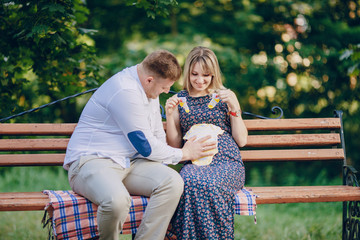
(208,63)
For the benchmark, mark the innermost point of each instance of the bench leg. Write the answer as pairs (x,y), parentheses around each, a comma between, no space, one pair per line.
(351,210)
(351,220)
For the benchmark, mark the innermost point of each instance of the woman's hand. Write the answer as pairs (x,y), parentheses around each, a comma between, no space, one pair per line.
(171,105)
(238,129)
(173,130)
(229,97)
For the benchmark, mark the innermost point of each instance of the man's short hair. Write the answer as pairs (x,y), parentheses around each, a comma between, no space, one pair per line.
(162,64)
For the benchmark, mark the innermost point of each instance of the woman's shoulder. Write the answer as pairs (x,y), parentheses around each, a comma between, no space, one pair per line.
(182,93)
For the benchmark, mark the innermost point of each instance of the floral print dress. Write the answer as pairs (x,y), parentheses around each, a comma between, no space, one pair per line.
(206,208)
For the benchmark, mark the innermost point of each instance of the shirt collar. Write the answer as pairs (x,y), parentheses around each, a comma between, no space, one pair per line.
(134,74)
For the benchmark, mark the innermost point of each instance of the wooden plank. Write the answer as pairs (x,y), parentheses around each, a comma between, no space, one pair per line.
(54,159)
(290,140)
(292,124)
(23,204)
(27,195)
(57,159)
(298,194)
(33,144)
(65,129)
(281,189)
(285,140)
(20,201)
(251,124)
(292,155)
(23,201)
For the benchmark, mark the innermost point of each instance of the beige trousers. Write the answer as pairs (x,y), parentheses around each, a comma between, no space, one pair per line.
(109,186)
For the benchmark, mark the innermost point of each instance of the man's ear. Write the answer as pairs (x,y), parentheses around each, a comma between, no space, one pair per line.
(149,79)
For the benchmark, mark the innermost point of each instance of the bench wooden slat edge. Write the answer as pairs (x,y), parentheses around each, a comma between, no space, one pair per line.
(51,159)
(299,194)
(287,140)
(37,128)
(293,155)
(252,124)
(292,124)
(290,140)
(33,144)
(57,159)
(22,201)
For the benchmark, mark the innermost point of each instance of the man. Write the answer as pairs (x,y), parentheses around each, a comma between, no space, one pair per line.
(118,148)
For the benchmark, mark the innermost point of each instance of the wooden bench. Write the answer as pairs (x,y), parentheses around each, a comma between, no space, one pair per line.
(298,139)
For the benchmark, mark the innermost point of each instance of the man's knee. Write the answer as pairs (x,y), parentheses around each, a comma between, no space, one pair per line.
(175,185)
(116,204)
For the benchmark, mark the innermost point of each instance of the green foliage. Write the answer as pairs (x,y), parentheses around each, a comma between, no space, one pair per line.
(153,8)
(352,54)
(271,53)
(44,55)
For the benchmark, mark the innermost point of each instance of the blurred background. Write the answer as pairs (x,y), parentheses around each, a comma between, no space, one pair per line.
(303,56)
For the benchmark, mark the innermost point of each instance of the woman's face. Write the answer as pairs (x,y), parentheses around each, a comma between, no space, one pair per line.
(200,81)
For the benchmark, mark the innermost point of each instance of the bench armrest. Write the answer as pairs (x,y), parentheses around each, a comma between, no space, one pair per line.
(349,176)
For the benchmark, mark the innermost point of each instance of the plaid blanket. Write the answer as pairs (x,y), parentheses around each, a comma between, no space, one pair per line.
(74,217)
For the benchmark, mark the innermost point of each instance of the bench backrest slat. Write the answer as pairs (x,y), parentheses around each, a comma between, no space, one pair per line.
(48,144)
(292,140)
(305,139)
(253,141)
(48,159)
(292,124)
(28,129)
(292,155)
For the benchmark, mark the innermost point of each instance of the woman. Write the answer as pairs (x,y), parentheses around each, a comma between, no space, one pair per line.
(206,208)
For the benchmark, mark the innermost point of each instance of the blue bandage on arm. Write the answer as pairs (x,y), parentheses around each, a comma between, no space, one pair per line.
(139,141)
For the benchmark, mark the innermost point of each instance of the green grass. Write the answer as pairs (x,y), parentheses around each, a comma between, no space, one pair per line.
(305,221)
(297,221)
(308,221)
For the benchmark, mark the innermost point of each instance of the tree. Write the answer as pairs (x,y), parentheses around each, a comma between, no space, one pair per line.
(284,53)
(47,54)
(44,55)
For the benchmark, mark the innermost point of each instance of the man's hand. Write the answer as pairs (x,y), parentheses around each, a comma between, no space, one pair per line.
(194,149)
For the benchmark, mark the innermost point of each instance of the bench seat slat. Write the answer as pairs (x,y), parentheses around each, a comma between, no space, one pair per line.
(299,194)
(290,140)
(22,204)
(20,201)
(292,124)
(293,155)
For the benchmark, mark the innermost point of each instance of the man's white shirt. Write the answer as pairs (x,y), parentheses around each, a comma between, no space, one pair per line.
(119,122)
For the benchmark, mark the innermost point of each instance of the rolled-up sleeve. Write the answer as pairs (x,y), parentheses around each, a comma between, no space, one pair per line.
(131,114)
